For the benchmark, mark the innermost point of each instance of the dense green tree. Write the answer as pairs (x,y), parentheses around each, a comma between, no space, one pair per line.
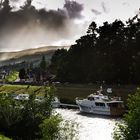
(22,73)
(53,128)
(4,138)
(29,119)
(108,53)
(43,64)
(58,63)
(21,119)
(130,129)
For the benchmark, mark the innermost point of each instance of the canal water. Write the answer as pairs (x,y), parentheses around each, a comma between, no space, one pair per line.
(91,127)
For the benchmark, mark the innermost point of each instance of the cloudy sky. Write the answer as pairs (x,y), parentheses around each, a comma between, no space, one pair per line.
(98,10)
(79,17)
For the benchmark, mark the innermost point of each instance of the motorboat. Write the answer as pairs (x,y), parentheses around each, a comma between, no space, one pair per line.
(25,97)
(55,101)
(98,103)
(22,97)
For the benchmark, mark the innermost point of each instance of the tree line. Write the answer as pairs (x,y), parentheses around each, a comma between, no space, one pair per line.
(109,53)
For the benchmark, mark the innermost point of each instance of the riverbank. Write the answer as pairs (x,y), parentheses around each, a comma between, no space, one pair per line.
(68,92)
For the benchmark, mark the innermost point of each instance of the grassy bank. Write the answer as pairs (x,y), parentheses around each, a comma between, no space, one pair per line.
(17,89)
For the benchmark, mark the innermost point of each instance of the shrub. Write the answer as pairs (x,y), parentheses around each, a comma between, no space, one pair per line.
(55,128)
(4,138)
(33,120)
(130,128)
(21,119)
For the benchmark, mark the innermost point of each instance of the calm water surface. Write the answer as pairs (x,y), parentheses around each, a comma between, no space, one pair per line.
(91,127)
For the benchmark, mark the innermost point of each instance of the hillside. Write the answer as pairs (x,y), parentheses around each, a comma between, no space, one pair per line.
(30,55)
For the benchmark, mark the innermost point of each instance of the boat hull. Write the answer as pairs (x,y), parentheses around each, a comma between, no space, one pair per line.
(55,104)
(109,111)
(92,110)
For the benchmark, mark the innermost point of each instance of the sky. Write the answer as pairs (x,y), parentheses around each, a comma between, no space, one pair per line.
(98,10)
(75,26)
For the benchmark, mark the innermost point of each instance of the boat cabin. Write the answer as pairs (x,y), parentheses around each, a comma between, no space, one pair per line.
(116,108)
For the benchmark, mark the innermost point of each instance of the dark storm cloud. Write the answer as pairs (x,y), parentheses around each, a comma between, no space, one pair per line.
(73,8)
(58,18)
(96,12)
(30,25)
(53,18)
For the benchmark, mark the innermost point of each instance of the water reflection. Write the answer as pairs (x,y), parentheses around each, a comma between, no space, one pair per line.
(91,127)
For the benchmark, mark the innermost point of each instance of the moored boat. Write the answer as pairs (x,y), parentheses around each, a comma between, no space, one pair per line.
(55,102)
(101,104)
(25,97)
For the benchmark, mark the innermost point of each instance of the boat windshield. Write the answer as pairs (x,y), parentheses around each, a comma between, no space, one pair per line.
(100,104)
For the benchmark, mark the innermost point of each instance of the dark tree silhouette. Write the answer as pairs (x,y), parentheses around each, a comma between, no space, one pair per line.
(43,64)
(22,73)
(108,53)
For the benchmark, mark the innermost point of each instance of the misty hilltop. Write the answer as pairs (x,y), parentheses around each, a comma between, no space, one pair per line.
(30,55)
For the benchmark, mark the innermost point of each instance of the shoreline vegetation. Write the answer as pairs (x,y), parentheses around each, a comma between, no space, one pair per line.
(28,119)
(67,93)
(4,138)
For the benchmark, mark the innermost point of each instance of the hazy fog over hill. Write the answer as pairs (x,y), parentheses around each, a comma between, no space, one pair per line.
(34,54)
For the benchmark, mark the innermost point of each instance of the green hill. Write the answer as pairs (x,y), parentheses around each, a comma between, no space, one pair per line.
(30,55)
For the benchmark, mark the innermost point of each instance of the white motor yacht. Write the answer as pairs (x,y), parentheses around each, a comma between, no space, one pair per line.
(101,104)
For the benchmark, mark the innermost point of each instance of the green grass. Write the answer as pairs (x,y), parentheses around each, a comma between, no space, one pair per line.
(21,89)
(4,138)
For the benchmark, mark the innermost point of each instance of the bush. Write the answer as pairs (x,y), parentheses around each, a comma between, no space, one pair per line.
(130,128)
(32,120)
(4,138)
(21,119)
(12,76)
(55,128)
(50,127)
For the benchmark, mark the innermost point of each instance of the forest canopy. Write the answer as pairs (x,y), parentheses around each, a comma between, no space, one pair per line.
(109,53)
